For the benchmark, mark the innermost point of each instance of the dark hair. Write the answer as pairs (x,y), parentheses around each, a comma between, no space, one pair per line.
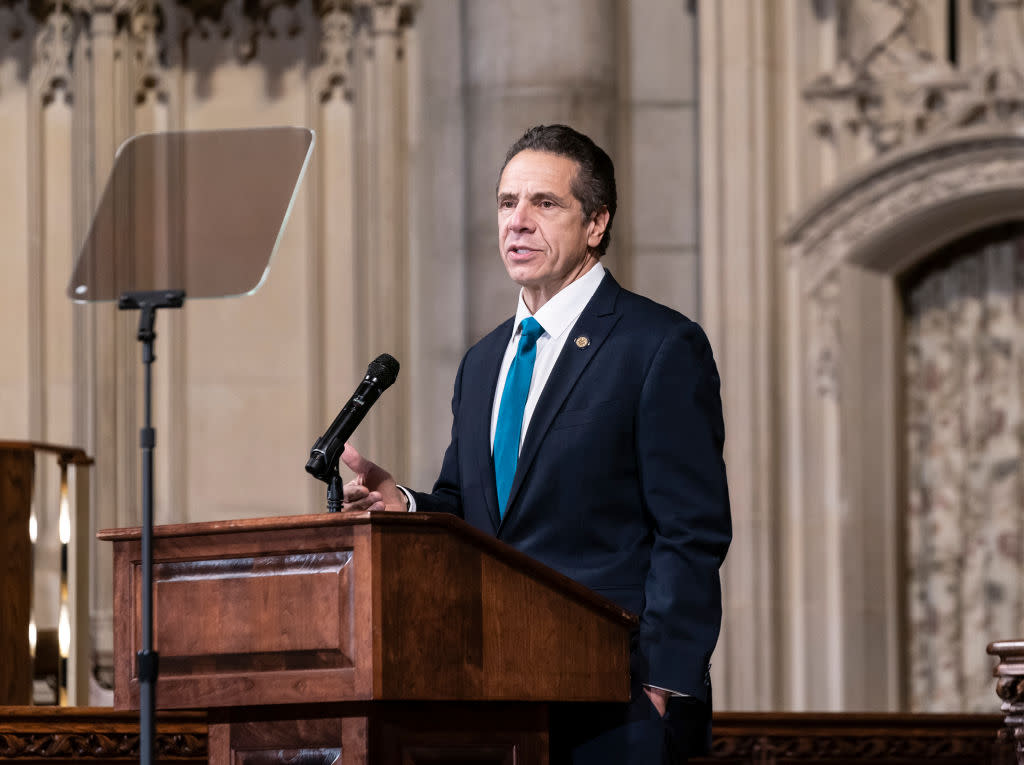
(594,182)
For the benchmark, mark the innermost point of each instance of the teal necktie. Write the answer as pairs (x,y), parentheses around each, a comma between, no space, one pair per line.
(510,413)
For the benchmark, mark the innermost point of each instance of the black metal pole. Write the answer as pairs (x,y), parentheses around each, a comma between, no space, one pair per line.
(335,500)
(147,659)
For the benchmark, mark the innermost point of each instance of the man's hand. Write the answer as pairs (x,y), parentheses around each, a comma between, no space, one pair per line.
(373,488)
(658,697)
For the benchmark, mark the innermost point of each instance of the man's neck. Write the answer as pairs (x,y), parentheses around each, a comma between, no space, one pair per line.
(536,297)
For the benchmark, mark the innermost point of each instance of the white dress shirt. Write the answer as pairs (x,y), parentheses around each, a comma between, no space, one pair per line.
(556,317)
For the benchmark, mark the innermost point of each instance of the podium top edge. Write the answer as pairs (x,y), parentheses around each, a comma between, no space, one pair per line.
(442,521)
(315,520)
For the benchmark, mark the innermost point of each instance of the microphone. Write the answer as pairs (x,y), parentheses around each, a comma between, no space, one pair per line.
(323,457)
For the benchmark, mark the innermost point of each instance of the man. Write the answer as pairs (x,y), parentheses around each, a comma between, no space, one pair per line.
(588,434)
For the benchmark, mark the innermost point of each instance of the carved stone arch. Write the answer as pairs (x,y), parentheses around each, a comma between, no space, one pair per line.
(851,248)
(902,207)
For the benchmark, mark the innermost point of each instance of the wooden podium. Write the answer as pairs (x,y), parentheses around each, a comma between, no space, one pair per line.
(363,638)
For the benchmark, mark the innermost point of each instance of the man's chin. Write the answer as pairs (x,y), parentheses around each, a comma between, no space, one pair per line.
(523,274)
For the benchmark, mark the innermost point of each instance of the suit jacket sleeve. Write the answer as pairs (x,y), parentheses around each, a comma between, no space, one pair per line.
(679,439)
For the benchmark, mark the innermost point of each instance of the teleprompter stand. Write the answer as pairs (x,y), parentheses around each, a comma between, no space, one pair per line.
(183,212)
(147,659)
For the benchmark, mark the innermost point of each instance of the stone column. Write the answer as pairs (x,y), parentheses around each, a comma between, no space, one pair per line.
(738,275)
(526,63)
(382,211)
(106,355)
(437,246)
(333,307)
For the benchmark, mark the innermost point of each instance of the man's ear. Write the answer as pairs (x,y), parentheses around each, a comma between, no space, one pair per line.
(598,224)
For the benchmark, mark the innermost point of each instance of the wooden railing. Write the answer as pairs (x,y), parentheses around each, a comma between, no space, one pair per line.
(840,738)
(1010,688)
(53,734)
(17,551)
(38,734)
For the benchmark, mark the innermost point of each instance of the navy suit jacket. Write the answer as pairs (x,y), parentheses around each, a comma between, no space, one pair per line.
(620,482)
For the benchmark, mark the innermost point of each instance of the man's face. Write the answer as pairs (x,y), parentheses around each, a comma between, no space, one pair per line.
(545,241)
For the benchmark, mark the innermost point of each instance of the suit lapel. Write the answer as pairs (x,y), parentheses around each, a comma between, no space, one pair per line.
(595,323)
(480,413)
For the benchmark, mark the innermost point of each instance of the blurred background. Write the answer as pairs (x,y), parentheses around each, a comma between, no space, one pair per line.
(832,188)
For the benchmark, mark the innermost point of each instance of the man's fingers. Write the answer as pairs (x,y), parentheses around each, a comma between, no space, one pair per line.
(353,491)
(371,501)
(354,461)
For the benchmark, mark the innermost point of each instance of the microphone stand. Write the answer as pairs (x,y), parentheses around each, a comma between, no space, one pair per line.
(147,660)
(335,496)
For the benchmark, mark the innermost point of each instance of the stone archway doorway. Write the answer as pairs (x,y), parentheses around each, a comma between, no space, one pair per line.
(845,440)
(963,394)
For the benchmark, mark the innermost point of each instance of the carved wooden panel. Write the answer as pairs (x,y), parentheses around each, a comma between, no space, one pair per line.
(283,586)
(49,734)
(322,738)
(243,615)
(845,739)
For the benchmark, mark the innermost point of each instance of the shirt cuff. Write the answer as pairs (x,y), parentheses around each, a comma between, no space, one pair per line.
(410,497)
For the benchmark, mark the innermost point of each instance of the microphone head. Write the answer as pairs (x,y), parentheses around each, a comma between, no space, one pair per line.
(384,369)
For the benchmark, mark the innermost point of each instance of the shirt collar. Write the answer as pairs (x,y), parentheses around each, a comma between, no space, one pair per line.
(561,311)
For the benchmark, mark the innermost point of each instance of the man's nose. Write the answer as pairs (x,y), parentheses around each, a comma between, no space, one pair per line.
(521,219)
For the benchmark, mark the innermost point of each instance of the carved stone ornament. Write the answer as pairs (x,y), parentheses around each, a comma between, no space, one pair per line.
(387,17)
(53,49)
(13,22)
(895,90)
(881,196)
(378,19)
(336,25)
(880,199)
(892,86)
(245,22)
(146,25)
(824,352)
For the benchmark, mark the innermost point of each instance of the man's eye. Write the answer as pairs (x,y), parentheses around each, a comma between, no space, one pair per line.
(547,204)
(506,204)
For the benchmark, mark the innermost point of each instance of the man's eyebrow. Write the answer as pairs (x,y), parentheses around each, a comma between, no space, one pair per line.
(535,196)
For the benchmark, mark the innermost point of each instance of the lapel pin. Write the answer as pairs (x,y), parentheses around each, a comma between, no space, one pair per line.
(582,341)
